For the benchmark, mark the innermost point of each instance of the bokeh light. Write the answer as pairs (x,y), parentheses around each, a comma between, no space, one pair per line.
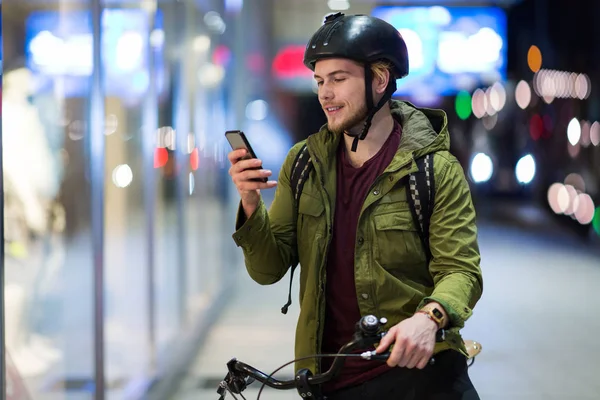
(596,221)
(595,134)
(463,105)
(534,58)
(574,132)
(523,94)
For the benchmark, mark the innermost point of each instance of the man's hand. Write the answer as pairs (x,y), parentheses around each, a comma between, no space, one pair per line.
(414,341)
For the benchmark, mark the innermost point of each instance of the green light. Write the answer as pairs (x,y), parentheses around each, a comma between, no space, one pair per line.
(596,221)
(463,104)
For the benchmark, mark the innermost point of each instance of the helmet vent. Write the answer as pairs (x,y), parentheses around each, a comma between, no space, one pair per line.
(329,33)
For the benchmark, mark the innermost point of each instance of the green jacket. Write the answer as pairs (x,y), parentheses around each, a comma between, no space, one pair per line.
(392,280)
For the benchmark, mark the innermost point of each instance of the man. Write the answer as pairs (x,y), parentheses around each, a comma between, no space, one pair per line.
(353,232)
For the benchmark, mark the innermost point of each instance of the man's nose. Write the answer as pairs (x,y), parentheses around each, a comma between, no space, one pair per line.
(325,93)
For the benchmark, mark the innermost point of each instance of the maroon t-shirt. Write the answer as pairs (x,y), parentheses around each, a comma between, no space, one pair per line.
(342,310)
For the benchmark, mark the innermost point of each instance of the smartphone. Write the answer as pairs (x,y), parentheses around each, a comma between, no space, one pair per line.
(238,140)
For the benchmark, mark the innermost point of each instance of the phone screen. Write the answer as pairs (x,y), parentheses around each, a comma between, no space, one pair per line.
(238,140)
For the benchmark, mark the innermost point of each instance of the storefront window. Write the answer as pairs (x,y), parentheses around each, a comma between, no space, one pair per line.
(49,271)
(164,196)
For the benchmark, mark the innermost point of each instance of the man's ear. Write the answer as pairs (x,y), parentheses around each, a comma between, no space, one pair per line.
(380,82)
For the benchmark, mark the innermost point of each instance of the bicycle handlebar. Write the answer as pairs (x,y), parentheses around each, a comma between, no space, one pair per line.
(367,333)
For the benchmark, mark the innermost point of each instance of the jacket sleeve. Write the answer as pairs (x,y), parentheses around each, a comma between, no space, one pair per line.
(454,266)
(268,237)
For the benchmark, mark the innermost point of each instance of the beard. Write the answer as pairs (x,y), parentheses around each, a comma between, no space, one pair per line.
(351,125)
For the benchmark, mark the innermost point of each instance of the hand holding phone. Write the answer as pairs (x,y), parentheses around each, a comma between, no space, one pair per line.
(246,171)
(238,140)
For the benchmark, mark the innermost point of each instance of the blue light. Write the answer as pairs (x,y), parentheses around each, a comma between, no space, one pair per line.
(450,48)
(60,44)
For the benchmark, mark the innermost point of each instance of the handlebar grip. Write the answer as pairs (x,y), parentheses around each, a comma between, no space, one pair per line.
(381,357)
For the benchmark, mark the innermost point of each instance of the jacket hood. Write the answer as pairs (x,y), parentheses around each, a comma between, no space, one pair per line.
(424,130)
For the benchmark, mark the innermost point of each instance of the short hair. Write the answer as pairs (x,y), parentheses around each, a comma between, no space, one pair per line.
(378,69)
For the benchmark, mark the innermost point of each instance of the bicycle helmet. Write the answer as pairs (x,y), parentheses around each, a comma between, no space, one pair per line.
(366,40)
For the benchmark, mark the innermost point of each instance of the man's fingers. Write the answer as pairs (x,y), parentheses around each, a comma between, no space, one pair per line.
(387,340)
(235,155)
(250,174)
(423,362)
(414,358)
(396,355)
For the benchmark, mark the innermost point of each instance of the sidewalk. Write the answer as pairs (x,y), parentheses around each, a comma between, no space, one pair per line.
(253,330)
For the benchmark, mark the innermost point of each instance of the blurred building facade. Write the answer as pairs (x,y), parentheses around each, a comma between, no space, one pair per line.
(117,205)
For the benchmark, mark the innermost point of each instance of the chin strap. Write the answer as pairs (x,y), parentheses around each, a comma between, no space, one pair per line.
(389,91)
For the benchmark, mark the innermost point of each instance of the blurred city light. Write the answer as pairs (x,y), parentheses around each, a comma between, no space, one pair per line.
(573,150)
(574,131)
(570,199)
(534,58)
(234,6)
(463,105)
(553,197)
(161,157)
(194,160)
(583,209)
(551,84)
(257,110)
(458,48)
(585,133)
(525,169)
(479,103)
(482,168)
(595,133)
(122,175)
(191,183)
(575,180)
(214,22)
(338,5)
(596,221)
(536,127)
(497,96)
(201,43)
(211,75)
(489,121)
(523,94)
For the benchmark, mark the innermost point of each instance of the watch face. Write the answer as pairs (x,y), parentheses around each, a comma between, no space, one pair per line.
(437,313)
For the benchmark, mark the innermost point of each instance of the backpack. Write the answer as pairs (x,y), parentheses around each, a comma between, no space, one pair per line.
(420,185)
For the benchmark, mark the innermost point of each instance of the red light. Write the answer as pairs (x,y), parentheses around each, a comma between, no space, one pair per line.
(221,56)
(536,127)
(194,159)
(288,63)
(161,156)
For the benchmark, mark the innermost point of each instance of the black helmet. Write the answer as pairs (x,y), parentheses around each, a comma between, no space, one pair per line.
(361,38)
(366,40)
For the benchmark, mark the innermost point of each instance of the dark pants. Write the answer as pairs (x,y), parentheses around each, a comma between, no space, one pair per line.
(446,379)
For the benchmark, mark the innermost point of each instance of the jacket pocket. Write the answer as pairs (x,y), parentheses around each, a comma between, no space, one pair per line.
(311,222)
(398,246)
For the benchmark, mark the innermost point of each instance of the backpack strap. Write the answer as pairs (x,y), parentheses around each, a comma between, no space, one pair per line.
(421,187)
(300,171)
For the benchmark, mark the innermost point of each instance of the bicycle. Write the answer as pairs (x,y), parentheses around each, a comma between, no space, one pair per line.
(367,333)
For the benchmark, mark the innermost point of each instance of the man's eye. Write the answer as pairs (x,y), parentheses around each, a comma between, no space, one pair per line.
(319,83)
(339,79)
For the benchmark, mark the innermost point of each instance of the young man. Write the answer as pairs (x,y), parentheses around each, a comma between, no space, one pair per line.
(353,232)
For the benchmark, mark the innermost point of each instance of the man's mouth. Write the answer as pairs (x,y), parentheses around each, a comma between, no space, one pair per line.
(333,110)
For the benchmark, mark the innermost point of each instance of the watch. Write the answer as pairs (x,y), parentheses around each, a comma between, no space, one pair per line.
(435,315)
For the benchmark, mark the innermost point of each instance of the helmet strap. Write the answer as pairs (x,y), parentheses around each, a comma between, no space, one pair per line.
(372,110)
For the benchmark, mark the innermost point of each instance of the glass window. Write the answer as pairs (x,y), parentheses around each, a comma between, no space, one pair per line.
(49,321)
